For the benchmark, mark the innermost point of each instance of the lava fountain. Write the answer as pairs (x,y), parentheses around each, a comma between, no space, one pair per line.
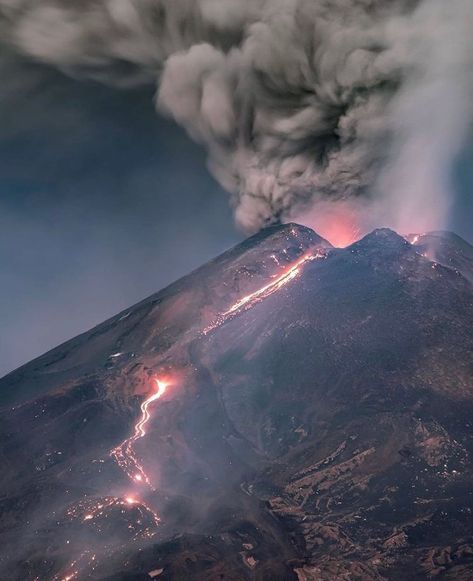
(124,453)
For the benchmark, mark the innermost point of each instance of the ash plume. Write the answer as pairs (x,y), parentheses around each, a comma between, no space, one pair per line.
(300,103)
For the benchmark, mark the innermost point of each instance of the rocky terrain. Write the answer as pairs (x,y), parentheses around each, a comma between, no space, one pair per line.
(313,421)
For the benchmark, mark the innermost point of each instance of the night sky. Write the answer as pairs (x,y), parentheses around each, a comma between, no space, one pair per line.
(102,203)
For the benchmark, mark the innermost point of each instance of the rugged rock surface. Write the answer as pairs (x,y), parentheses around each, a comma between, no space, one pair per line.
(321,430)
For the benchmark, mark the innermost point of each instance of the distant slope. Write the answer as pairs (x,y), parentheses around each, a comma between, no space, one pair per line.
(189,303)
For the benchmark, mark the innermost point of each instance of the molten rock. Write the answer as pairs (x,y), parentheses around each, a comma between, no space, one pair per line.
(315,424)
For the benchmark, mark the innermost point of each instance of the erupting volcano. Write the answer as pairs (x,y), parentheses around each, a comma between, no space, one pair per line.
(318,426)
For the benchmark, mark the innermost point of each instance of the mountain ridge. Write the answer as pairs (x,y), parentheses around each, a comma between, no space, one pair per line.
(270,234)
(267,232)
(320,429)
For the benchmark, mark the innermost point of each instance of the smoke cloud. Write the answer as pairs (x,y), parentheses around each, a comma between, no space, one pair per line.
(301,104)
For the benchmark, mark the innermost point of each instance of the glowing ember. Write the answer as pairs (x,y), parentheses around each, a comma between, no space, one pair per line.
(124,453)
(101,514)
(97,512)
(86,559)
(267,290)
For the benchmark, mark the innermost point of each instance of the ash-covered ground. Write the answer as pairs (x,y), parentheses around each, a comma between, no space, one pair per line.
(287,411)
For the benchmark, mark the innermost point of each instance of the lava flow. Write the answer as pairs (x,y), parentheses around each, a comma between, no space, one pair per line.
(267,290)
(124,453)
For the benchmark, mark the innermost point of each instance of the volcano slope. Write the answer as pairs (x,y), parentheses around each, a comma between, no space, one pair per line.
(314,422)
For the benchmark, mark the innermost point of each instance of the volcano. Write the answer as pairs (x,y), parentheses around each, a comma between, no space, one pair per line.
(289,410)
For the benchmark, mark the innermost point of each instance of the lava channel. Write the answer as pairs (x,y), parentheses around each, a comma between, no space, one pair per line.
(124,453)
(265,291)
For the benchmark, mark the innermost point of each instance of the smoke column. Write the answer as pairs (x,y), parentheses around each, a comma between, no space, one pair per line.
(430,117)
(311,110)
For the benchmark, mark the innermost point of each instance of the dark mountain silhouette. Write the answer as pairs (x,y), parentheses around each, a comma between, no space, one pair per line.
(310,417)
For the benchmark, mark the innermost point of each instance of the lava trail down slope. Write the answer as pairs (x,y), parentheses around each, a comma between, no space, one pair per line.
(289,410)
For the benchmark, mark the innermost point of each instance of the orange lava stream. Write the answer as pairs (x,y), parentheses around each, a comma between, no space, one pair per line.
(267,290)
(124,453)
(94,510)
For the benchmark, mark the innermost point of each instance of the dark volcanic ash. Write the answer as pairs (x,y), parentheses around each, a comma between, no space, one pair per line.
(363,102)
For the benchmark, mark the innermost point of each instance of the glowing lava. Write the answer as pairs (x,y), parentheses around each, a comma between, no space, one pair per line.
(124,453)
(267,290)
(86,559)
(102,514)
(142,520)
(97,511)
(414,238)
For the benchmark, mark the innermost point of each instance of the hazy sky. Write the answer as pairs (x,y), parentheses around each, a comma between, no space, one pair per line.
(101,204)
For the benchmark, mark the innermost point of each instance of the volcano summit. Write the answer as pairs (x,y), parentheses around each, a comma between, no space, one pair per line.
(289,410)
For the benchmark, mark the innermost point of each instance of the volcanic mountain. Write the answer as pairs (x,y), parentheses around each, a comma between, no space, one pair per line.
(287,411)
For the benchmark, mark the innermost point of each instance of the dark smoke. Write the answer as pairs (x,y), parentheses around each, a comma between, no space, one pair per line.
(298,102)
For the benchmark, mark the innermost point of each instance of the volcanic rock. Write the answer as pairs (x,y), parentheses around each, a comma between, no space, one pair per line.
(316,424)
